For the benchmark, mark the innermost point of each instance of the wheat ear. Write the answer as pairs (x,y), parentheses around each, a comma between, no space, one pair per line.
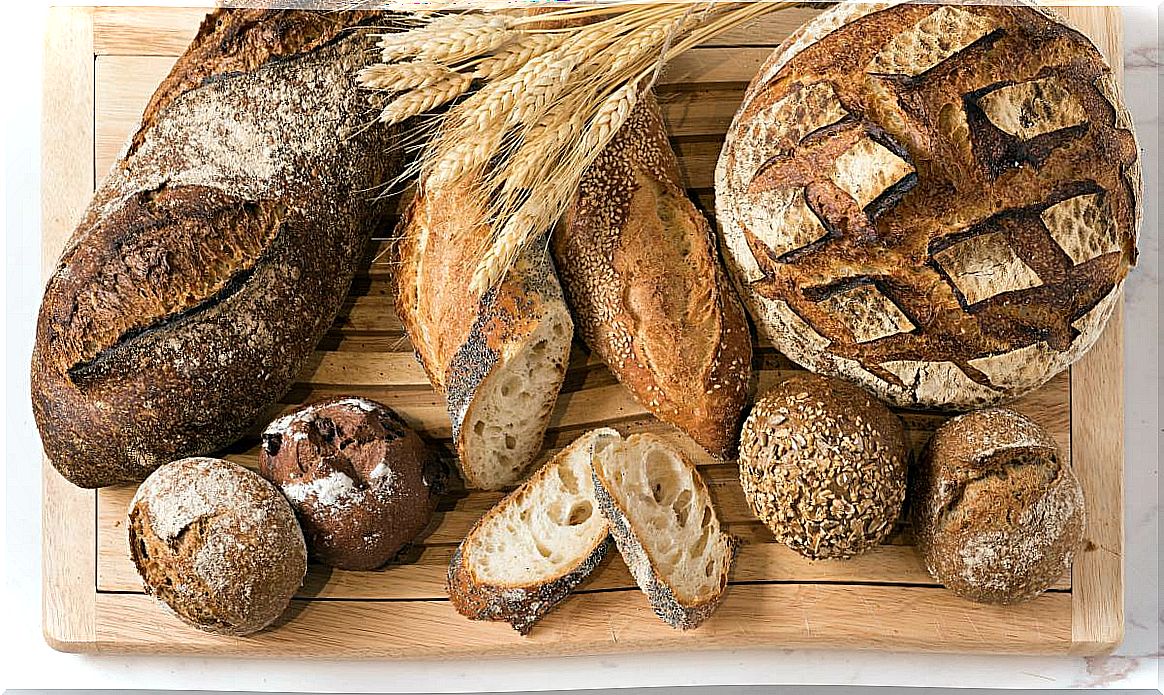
(423,100)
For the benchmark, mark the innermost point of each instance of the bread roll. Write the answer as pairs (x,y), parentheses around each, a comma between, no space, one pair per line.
(499,361)
(939,202)
(217,544)
(217,251)
(642,275)
(823,464)
(362,483)
(997,514)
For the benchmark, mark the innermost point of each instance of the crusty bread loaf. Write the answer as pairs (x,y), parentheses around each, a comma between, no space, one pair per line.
(535,546)
(217,544)
(939,202)
(218,250)
(642,275)
(498,361)
(362,484)
(823,465)
(664,525)
(997,514)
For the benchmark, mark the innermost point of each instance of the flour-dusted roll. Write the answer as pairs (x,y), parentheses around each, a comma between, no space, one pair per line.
(939,202)
(641,272)
(218,250)
(499,361)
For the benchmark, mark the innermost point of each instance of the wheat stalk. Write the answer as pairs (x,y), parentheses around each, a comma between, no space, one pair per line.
(551,94)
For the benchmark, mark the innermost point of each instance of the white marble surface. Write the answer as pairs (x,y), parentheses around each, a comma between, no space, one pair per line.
(28,663)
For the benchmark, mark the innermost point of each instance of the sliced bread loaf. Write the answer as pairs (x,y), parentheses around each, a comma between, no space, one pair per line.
(662,520)
(528,552)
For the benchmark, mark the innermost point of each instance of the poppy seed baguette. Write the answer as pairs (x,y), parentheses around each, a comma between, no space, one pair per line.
(218,250)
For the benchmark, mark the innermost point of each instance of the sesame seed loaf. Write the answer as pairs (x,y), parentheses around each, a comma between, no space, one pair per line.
(216,544)
(823,465)
(361,482)
(535,546)
(937,201)
(499,361)
(997,514)
(651,494)
(218,250)
(642,276)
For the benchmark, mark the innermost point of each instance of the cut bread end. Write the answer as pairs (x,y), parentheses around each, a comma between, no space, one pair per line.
(502,432)
(528,552)
(663,522)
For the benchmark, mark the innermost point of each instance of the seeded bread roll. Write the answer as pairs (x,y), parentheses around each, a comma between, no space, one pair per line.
(642,276)
(217,544)
(217,251)
(498,360)
(939,202)
(823,464)
(361,482)
(997,514)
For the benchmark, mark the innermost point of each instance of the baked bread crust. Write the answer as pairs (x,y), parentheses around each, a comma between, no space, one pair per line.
(823,465)
(216,544)
(943,210)
(997,514)
(465,344)
(361,482)
(216,253)
(642,275)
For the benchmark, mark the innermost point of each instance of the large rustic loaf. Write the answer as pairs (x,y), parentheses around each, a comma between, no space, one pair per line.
(939,202)
(498,360)
(641,272)
(218,250)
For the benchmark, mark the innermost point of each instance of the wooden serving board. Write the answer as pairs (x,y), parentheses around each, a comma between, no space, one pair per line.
(101,66)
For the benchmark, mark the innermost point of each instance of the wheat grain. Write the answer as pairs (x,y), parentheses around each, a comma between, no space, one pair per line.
(423,100)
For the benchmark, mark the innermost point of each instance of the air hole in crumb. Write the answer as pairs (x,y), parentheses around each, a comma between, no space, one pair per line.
(579,513)
(681,507)
(546,552)
(510,442)
(479,427)
(709,567)
(569,480)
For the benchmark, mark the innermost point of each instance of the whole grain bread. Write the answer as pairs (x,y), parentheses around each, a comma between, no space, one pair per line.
(535,546)
(939,202)
(642,276)
(498,360)
(997,513)
(217,251)
(216,544)
(823,465)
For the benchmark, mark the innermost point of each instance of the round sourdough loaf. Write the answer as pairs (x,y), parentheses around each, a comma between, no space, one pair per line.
(217,544)
(937,202)
(362,483)
(997,514)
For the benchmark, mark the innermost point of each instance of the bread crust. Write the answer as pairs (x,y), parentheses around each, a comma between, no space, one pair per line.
(669,608)
(521,606)
(216,253)
(997,515)
(944,211)
(641,272)
(460,341)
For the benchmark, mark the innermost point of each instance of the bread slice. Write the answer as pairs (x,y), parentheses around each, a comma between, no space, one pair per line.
(663,522)
(528,552)
(499,360)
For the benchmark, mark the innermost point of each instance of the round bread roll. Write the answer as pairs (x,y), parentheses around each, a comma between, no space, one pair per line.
(823,464)
(939,202)
(217,544)
(997,515)
(362,483)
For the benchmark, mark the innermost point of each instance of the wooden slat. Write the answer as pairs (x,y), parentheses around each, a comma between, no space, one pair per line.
(68,556)
(801,615)
(1097,427)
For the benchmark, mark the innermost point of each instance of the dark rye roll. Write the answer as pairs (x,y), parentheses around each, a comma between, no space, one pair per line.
(218,250)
